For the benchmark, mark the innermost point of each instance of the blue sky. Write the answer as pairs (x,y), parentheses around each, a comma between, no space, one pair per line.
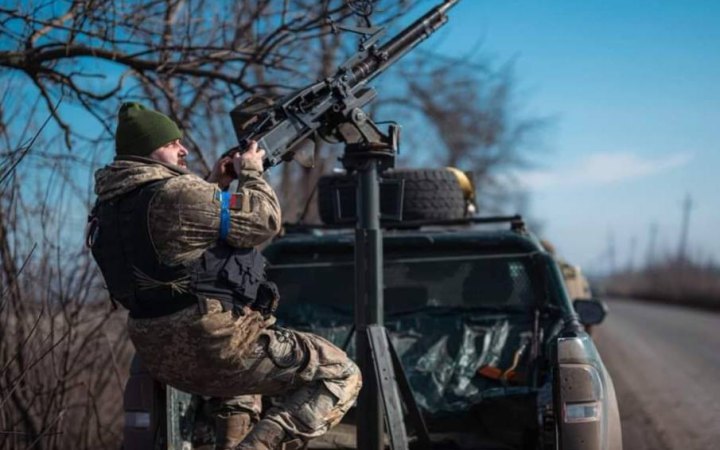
(634,90)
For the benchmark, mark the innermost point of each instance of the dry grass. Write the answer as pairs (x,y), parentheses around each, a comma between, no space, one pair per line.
(683,283)
(64,353)
(62,376)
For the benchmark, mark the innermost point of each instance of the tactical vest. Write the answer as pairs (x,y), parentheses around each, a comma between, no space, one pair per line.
(119,237)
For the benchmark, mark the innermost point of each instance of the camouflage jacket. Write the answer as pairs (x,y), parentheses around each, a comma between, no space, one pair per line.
(184,214)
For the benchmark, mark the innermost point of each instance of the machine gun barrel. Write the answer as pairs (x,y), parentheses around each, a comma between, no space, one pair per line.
(280,128)
(401,44)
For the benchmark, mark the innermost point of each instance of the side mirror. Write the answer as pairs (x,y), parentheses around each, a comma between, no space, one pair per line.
(591,311)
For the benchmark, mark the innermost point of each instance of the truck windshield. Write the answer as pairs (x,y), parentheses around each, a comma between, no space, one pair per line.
(413,283)
(448,315)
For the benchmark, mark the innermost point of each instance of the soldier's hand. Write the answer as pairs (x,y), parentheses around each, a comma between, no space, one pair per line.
(223,173)
(251,159)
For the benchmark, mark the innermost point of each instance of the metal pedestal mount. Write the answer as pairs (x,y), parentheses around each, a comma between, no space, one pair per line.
(367,153)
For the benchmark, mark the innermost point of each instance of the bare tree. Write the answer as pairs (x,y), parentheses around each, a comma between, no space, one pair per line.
(474,120)
(191,59)
(195,59)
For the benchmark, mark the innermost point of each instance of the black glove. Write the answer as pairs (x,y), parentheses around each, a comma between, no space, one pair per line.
(268,298)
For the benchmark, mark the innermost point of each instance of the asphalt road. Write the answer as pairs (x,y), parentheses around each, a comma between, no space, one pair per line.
(665,363)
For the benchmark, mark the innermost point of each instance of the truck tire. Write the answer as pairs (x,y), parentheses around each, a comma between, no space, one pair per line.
(430,194)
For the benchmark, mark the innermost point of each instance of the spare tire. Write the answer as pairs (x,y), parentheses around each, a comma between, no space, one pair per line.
(429,194)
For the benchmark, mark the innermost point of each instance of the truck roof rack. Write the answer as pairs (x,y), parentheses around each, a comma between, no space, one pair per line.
(516,223)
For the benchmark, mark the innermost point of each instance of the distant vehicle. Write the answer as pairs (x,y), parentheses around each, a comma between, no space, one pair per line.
(489,341)
(576,283)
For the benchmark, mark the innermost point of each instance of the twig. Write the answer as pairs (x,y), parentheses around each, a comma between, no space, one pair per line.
(44,432)
(27,149)
(19,271)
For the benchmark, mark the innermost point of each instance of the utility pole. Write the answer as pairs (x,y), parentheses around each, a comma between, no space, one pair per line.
(652,243)
(611,252)
(682,249)
(631,254)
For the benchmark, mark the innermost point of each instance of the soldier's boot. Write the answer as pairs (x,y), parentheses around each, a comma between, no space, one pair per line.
(267,435)
(231,429)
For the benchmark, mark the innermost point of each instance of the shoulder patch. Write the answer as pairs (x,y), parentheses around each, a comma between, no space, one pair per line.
(240,201)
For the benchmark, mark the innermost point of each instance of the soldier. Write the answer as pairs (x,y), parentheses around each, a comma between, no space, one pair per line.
(179,252)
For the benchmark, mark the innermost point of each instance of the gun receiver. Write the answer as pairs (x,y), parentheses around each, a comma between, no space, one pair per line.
(331,108)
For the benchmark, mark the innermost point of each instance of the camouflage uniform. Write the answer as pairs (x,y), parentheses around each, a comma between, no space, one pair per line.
(239,355)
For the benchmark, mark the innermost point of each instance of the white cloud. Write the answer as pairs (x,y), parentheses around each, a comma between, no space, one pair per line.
(603,168)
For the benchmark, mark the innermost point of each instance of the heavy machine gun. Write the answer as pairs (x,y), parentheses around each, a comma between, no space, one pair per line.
(332,108)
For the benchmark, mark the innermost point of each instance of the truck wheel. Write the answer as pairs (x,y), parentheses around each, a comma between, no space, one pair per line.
(430,194)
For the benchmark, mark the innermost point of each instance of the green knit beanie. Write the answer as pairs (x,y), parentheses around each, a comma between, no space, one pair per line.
(140,131)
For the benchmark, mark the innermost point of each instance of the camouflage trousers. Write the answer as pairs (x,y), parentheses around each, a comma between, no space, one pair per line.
(235,357)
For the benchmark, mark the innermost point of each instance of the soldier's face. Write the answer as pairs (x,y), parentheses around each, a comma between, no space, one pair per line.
(171,153)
